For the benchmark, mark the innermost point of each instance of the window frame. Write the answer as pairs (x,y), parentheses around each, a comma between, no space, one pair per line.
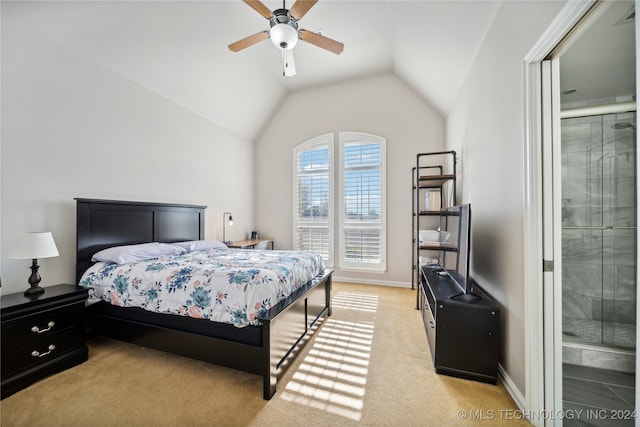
(345,138)
(327,140)
(336,170)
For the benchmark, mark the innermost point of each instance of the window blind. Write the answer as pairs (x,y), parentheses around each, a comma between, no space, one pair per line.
(313,198)
(362,208)
(360,194)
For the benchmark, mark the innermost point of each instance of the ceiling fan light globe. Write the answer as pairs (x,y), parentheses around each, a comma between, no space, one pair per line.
(283,36)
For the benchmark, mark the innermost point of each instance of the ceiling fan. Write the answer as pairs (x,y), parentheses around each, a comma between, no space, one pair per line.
(284,32)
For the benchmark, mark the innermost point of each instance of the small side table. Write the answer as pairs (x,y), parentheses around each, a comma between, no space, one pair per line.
(41,336)
(250,244)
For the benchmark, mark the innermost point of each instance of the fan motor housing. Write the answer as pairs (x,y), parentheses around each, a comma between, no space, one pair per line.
(282,16)
(284,29)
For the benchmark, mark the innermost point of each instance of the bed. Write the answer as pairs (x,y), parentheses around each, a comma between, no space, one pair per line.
(262,347)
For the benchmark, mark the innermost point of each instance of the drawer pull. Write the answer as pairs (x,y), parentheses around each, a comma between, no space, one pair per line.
(37,329)
(36,353)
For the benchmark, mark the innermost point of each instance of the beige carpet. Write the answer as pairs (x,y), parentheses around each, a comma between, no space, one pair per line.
(369,364)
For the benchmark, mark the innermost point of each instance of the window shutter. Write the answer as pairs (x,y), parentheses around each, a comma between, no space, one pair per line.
(313,197)
(362,196)
(362,205)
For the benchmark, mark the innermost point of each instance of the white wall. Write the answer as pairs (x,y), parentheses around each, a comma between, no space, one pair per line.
(486,125)
(71,128)
(381,105)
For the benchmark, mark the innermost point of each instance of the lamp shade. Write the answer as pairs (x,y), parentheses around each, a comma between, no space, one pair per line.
(34,245)
(283,36)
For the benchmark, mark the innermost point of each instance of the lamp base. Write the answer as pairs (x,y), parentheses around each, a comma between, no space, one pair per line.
(34,280)
(33,291)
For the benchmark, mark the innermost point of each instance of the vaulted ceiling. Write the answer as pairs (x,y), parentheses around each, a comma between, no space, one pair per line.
(178,49)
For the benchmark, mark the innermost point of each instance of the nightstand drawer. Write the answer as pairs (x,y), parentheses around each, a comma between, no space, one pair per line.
(39,351)
(24,329)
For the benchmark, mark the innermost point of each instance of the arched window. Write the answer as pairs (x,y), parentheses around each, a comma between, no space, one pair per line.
(362,208)
(313,196)
(360,197)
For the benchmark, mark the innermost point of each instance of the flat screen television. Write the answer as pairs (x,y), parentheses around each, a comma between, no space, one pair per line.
(454,253)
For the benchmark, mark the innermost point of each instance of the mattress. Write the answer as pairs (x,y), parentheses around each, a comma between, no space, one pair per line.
(233,286)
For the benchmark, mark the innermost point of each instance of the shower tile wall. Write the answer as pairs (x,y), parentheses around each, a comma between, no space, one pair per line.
(598,230)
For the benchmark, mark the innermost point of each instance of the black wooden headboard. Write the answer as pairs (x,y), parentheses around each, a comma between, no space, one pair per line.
(105,223)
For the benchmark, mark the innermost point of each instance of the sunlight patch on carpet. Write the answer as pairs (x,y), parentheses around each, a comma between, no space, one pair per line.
(355,301)
(333,375)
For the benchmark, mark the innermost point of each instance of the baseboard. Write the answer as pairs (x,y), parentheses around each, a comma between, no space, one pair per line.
(372,282)
(512,389)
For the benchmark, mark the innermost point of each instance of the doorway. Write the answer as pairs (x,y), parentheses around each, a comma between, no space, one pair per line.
(589,232)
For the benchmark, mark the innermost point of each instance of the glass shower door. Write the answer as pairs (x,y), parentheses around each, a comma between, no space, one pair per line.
(619,237)
(599,232)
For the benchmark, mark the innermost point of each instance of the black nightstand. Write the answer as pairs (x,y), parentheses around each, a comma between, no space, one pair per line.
(41,336)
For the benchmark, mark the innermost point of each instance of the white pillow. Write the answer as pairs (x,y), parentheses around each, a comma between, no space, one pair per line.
(201,245)
(135,253)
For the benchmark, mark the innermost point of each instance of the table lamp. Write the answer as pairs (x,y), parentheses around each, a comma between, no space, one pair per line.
(224,226)
(33,246)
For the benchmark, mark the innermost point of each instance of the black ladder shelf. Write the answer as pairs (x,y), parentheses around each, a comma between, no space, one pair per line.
(434,171)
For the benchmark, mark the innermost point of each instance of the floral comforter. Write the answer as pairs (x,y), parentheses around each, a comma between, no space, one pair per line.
(223,285)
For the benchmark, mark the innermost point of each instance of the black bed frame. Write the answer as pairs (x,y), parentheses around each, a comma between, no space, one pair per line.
(260,350)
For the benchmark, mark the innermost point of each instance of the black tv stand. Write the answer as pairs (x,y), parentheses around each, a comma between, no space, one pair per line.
(470,297)
(463,329)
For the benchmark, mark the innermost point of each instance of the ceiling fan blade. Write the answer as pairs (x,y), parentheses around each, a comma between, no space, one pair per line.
(301,7)
(259,7)
(322,41)
(289,64)
(249,41)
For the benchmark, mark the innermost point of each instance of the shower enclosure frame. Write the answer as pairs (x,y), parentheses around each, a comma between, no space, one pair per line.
(604,342)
